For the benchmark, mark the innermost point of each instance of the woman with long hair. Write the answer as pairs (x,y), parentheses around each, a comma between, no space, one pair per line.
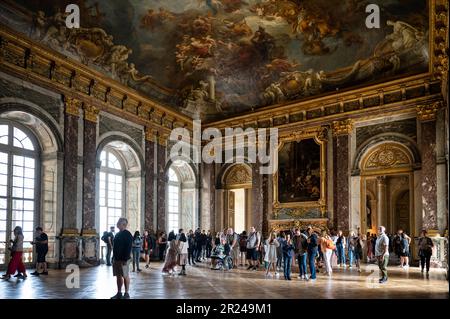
(271,253)
(147,248)
(162,245)
(171,255)
(136,250)
(16,263)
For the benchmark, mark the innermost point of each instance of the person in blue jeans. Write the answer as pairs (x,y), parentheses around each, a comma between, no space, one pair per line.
(352,242)
(340,247)
(288,253)
(136,250)
(312,252)
(301,245)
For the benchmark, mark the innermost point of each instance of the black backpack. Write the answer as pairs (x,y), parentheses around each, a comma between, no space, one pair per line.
(105,237)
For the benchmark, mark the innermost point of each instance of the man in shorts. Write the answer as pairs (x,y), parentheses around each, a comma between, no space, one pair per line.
(253,241)
(122,245)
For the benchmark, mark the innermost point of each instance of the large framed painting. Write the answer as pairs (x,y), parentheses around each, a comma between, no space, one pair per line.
(301,176)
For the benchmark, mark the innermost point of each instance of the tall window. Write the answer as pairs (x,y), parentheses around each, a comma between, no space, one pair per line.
(18,163)
(174,201)
(111,190)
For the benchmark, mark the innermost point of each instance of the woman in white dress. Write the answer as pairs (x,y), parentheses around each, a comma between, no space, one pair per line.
(271,253)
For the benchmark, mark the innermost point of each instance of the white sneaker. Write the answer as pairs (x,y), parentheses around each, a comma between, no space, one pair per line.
(277,274)
(306,277)
(300,277)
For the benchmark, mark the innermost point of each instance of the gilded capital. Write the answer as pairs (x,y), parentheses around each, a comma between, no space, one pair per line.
(150,134)
(427,112)
(162,139)
(72,106)
(90,113)
(343,127)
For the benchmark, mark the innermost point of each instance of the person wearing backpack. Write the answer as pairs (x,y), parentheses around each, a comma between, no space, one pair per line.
(108,239)
(243,247)
(404,251)
(327,247)
(425,250)
(312,251)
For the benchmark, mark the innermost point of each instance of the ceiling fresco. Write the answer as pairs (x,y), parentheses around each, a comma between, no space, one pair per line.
(212,59)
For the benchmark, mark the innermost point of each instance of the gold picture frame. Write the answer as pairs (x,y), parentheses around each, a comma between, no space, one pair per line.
(319,134)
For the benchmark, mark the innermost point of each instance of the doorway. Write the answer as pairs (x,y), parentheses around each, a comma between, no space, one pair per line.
(237,196)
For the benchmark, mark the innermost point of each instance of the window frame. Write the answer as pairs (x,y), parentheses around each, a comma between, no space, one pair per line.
(177,184)
(36,154)
(116,172)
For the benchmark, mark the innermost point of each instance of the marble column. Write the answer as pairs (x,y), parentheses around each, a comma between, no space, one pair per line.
(426,115)
(208,191)
(341,173)
(70,239)
(257,198)
(161,183)
(149,168)
(89,167)
(71,116)
(90,240)
(381,204)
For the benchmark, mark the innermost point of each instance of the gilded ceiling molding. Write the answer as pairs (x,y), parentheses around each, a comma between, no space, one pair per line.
(72,106)
(344,127)
(440,38)
(29,60)
(427,112)
(90,113)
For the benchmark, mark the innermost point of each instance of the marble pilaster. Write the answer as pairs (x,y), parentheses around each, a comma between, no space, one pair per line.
(341,173)
(257,211)
(161,185)
(70,240)
(427,118)
(90,238)
(149,179)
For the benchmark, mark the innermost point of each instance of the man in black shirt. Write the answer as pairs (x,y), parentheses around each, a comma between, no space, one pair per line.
(122,245)
(41,242)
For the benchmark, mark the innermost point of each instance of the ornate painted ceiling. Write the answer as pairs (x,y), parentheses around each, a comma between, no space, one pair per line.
(212,59)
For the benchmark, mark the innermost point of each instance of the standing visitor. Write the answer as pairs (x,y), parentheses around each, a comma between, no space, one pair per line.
(171,255)
(404,251)
(209,244)
(183,246)
(382,253)
(16,263)
(108,238)
(425,251)
(288,253)
(312,251)
(271,253)
(162,244)
(253,244)
(340,247)
(147,245)
(281,238)
(233,241)
(242,248)
(358,252)
(136,249)
(352,241)
(191,247)
(327,246)
(41,243)
(301,246)
(122,246)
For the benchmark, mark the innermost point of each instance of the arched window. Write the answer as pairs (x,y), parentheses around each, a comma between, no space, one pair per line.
(173,201)
(111,197)
(19,162)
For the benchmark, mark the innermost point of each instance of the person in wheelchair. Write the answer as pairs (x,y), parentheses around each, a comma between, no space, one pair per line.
(220,257)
